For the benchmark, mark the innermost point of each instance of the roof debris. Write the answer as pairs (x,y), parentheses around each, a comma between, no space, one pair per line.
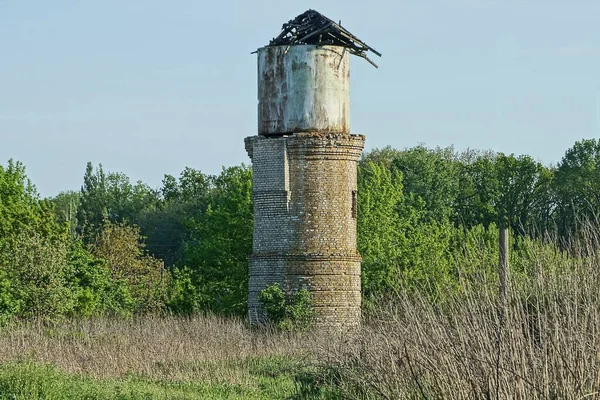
(314,28)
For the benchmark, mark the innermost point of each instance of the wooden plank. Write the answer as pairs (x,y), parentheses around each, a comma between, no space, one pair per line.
(309,24)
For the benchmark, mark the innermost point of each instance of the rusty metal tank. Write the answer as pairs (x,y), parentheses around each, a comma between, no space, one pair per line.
(303,88)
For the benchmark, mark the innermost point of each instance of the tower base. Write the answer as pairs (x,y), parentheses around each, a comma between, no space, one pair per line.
(305,223)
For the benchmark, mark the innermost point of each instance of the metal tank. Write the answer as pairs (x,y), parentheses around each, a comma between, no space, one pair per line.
(303,88)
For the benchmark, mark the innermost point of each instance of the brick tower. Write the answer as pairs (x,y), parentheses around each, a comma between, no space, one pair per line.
(304,171)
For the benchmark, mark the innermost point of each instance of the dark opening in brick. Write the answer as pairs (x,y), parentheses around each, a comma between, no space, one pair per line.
(354,204)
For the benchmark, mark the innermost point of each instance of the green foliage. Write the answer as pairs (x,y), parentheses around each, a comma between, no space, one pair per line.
(379,227)
(475,253)
(420,213)
(429,180)
(200,225)
(111,197)
(127,201)
(521,181)
(274,301)
(300,312)
(66,205)
(426,259)
(44,271)
(39,274)
(577,186)
(384,157)
(293,312)
(402,247)
(9,305)
(123,249)
(478,190)
(220,241)
(97,292)
(20,206)
(34,272)
(93,203)
(169,227)
(182,294)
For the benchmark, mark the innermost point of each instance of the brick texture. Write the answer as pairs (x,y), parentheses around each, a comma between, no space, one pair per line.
(305,222)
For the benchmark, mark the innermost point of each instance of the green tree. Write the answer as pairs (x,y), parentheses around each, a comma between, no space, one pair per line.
(478,191)
(33,246)
(183,295)
(402,247)
(96,291)
(577,186)
(39,275)
(9,305)
(92,209)
(379,227)
(169,226)
(522,183)
(430,177)
(220,241)
(20,206)
(127,202)
(66,205)
(122,247)
(384,157)
(111,196)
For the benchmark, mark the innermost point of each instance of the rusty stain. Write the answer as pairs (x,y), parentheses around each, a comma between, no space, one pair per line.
(303,90)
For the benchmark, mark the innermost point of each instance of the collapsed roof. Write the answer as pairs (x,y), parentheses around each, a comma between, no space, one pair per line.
(312,27)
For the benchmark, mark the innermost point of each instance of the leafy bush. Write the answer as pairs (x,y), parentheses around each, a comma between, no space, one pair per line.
(39,275)
(97,293)
(220,239)
(290,313)
(122,248)
(9,305)
(182,294)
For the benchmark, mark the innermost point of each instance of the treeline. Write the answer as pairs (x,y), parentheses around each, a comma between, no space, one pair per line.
(117,247)
(424,212)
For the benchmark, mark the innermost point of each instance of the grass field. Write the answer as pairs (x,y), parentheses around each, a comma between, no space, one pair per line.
(543,342)
(155,358)
(266,379)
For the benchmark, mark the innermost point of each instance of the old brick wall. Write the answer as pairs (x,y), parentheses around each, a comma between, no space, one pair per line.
(305,221)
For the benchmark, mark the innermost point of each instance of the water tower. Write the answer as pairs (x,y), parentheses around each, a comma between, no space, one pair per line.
(304,170)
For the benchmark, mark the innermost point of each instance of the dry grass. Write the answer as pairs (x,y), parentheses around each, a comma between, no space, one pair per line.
(544,343)
(203,348)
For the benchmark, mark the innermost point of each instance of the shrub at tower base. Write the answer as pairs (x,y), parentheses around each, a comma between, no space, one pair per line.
(293,312)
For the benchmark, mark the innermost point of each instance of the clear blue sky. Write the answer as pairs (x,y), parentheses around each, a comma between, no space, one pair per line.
(150,87)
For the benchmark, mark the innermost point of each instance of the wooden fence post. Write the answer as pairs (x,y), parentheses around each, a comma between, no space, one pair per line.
(503,270)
